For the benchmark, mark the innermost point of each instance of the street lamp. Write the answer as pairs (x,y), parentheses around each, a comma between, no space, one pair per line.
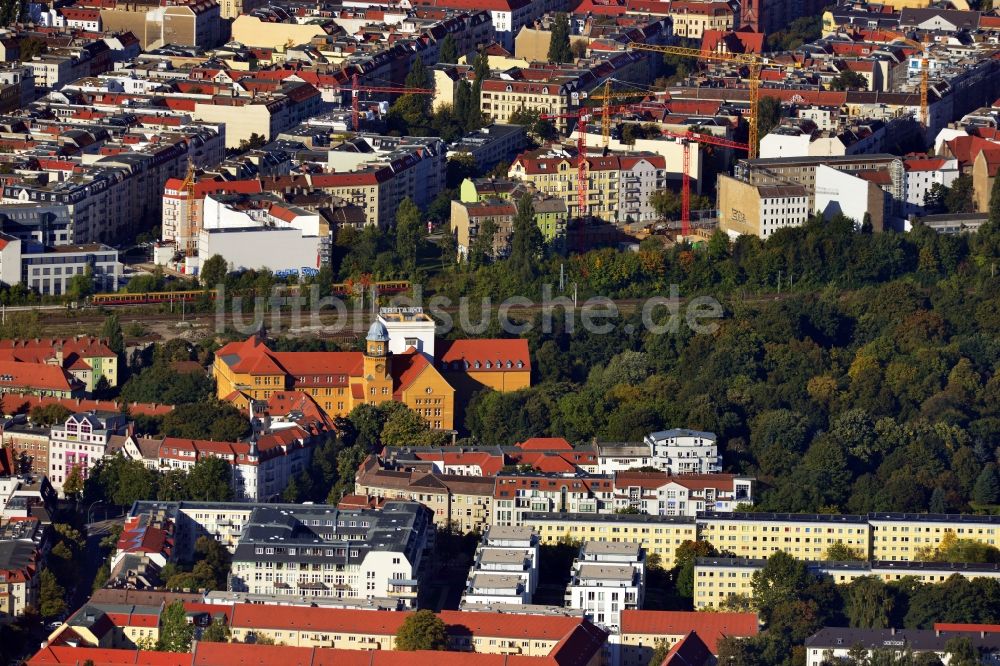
(91,508)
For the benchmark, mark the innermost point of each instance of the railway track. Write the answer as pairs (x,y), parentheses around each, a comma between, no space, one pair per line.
(331,324)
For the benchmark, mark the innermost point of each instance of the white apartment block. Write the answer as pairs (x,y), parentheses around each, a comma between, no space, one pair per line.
(607,578)
(677,451)
(80,442)
(505,570)
(294,551)
(662,494)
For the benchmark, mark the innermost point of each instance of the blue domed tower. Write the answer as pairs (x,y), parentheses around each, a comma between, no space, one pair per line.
(378,375)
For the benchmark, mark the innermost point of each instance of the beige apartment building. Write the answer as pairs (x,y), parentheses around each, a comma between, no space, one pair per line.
(468,219)
(659,535)
(500,99)
(760,210)
(196,23)
(458,502)
(717,579)
(251,31)
(804,536)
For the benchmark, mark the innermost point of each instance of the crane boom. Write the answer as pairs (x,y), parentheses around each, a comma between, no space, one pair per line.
(752,61)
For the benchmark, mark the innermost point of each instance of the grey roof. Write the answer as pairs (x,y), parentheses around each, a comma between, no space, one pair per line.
(681,432)
(606,517)
(16,554)
(787,517)
(320,533)
(921,640)
(377,332)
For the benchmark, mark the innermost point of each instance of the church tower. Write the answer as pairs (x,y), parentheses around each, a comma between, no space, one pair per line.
(377,373)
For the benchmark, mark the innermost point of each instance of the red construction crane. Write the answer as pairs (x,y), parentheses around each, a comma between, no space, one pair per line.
(582,115)
(356,91)
(685,140)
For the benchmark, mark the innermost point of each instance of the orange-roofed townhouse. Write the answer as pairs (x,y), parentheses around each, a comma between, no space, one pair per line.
(519,494)
(642,630)
(922,174)
(80,443)
(662,494)
(87,358)
(18,577)
(984,170)
(39,379)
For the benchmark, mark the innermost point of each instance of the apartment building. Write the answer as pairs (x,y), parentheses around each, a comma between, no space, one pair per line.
(189,23)
(840,643)
(39,379)
(898,536)
(19,577)
(294,550)
(469,219)
(658,535)
(103,200)
(87,358)
(28,443)
(504,569)
(304,634)
(760,210)
(262,467)
(880,171)
(663,494)
(607,579)
(922,174)
(458,502)
(804,536)
(677,451)
(692,19)
(80,443)
(618,184)
(518,494)
(491,145)
(327,552)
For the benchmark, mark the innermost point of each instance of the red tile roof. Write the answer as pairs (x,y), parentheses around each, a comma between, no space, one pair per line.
(545,444)
(35,376)
(710,626)
(501,355)
(20,403)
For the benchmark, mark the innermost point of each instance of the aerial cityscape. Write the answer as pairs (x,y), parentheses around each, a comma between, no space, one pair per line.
(499,332)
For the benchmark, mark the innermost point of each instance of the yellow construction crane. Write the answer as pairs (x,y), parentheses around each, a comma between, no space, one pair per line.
(187,186)
(753,63)
(607,95)
(924,74)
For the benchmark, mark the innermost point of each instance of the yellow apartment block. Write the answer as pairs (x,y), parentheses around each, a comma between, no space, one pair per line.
(716,579)
(804,536)
(898,536)
(659,535)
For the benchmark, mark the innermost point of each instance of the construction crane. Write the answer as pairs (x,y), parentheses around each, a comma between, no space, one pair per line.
(187,186)
(356,90)
(685,140)
(924,74)
(582,115)
(753,63)
(607,95)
